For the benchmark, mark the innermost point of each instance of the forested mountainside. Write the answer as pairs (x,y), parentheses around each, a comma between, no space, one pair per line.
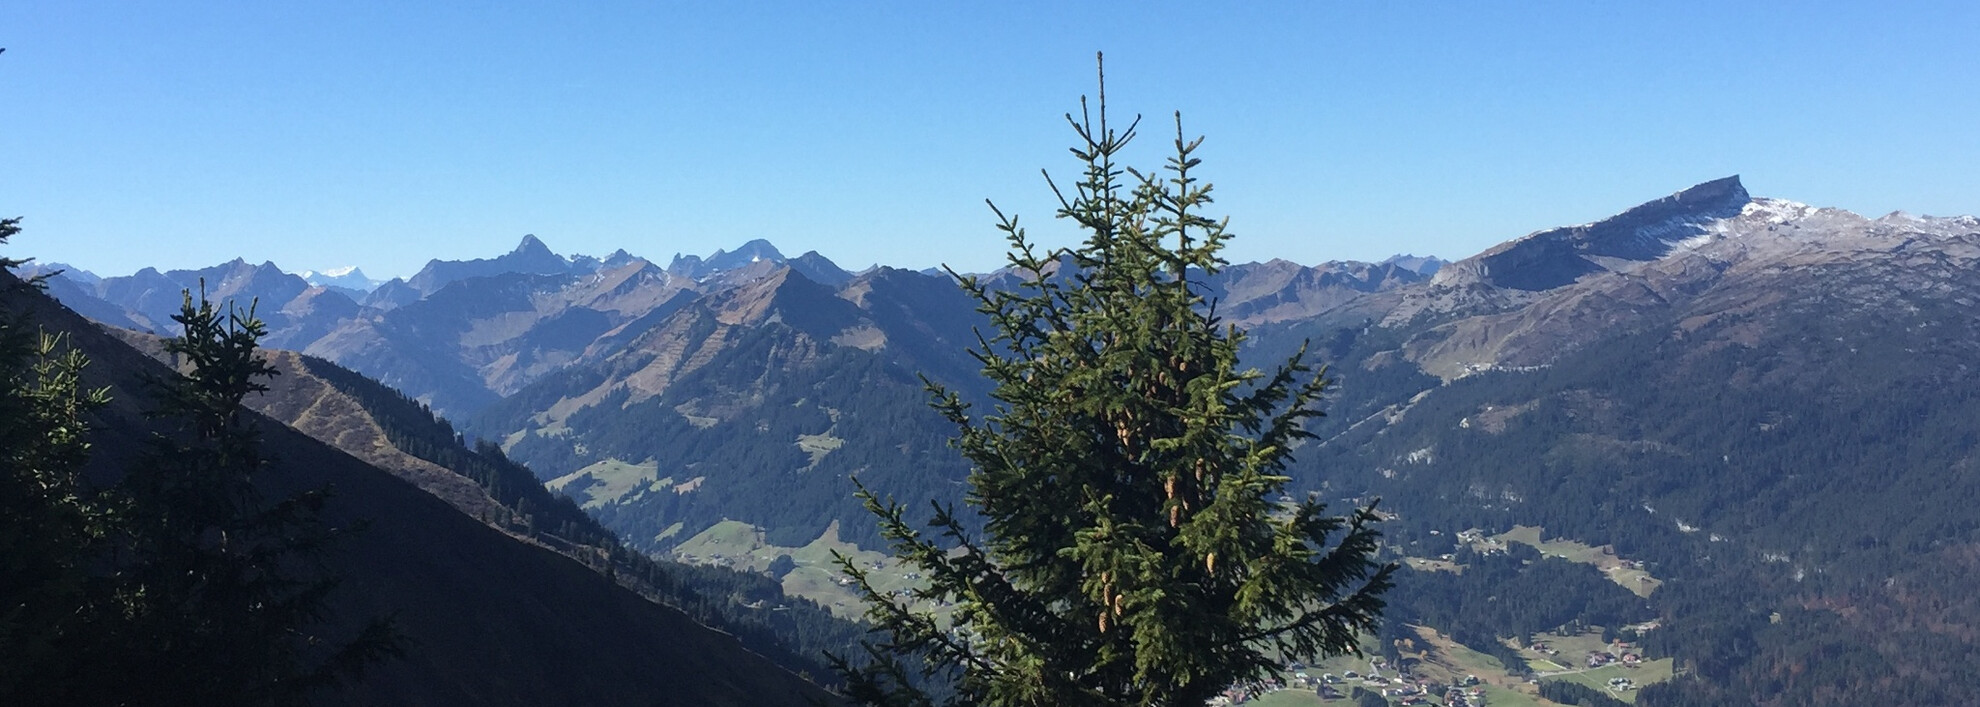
(486,619)
(1752,417)
(390,431)
(1768,404)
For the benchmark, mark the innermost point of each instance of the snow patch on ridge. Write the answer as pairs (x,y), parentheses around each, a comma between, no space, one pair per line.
(1776,211)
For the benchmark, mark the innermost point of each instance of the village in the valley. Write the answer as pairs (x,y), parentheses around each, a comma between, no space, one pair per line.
(1434,669)
(1438,671)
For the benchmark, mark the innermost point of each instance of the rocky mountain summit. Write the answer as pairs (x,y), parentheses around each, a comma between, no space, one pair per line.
(1504,275)
(1709,252)
(697,268)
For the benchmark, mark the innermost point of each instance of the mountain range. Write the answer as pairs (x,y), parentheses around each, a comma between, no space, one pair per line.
(718,364)
(1764,405)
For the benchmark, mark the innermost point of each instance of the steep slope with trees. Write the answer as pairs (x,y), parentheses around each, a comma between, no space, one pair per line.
(390,431)
(393,432)
(1771,408)
(488,620)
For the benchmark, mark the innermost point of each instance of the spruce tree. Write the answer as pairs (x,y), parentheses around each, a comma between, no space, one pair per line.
(220,593)
(48,527)
(1135,549)
(179,584)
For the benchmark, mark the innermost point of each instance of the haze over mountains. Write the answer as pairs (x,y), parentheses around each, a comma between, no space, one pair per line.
(1767,404)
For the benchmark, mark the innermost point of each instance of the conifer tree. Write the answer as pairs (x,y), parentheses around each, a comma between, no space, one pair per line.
(178,584)
(1135,549)
(48,528)
(220,593)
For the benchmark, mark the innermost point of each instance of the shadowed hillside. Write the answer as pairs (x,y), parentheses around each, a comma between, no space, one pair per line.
(489,620)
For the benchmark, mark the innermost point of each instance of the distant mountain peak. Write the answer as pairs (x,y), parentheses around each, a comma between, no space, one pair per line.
(820,269)
(348,276)
(1657,220)
(530,256)
(754,251)
(698,268)
(1720,189)
(1419,264)
(328,272)
(532,246)
(69,271)
(1548,259)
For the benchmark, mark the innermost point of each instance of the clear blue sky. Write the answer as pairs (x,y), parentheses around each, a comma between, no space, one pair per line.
(381,134)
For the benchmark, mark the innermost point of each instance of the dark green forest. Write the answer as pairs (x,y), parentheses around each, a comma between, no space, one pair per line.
(1824,477)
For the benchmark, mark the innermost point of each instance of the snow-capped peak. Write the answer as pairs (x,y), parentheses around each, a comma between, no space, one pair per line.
(348,276)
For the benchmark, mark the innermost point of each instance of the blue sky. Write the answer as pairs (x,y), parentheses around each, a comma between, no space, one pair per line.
(381,134)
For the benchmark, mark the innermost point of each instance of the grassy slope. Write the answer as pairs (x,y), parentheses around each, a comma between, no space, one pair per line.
(1618,570)
(741,546)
